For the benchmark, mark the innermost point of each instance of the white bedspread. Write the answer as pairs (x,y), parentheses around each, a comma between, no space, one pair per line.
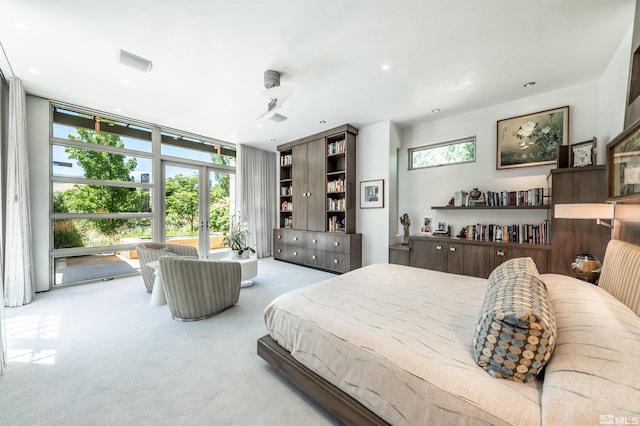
(398,339)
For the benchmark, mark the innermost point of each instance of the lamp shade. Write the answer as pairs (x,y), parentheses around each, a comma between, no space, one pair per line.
(583,211)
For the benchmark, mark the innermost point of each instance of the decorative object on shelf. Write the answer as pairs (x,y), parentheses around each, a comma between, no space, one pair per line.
(406,223)
(462,233)
(237,236)
(563,157)
(476,198)
(442,229)
(587,267)
(427,228)
(532,139)
(583,153)
(452,202)
(623,165)
(372,194)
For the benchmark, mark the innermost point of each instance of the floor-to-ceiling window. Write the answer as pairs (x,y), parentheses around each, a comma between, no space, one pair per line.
(112,186)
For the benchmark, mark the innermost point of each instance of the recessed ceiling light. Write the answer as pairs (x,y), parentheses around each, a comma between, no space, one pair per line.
(125,81)
(386,67)
(529,84)
(34,71)
(272,139)
(22,26)
(259,126)
(323,122)
(435,110)
(117,109)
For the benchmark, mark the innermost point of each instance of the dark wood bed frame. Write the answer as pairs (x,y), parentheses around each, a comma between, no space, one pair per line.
(342,406)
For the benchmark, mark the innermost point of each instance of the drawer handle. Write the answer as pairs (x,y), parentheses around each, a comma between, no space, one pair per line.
(335,261)
(279,251)
(295,238)
(452,249)
(500,253)
(336,243)
(279,237)
(438,247)
(314,241)
(313,257)
(295,253)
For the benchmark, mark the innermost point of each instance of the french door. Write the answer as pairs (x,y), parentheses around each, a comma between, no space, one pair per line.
(198,204)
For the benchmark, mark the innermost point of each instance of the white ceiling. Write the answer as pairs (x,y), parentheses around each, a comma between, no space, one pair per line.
(209,57)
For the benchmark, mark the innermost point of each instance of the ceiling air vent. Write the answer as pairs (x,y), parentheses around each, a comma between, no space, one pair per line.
(134,61)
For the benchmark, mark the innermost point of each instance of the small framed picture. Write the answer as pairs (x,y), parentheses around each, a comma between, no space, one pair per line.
(623,165)
(372,194)
(583,153)
(427,227)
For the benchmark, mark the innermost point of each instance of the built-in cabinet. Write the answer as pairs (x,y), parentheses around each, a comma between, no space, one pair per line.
(336,252)
(317,202)
(468,257)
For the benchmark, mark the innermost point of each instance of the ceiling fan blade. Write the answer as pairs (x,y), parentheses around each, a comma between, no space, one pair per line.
(281,93)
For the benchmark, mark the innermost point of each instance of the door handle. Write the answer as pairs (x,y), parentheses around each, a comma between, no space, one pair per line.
(452,249)
(438,247)
(500,253)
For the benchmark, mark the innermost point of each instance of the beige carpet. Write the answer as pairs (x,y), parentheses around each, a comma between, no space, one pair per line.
(100,354)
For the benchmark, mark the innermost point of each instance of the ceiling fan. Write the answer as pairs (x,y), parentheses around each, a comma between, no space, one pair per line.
(277,95)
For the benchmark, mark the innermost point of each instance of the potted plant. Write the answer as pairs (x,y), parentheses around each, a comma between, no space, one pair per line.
(236,238)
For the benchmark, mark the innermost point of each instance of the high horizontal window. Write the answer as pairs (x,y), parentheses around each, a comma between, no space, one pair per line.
(181,146)
(442,154)
(69,161)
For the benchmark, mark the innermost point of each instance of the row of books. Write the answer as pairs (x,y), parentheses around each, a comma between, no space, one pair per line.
(285,190)
(518,233)
(336,204)
(288,222)
(335,224)
(285,160)
(530,197)
(335,185)
(336,147)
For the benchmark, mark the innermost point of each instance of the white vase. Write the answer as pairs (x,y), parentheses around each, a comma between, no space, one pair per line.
(244,255)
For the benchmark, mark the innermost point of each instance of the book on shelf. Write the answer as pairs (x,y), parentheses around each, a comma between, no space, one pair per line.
(286,206)
(334,204)
(286,159)
(335,224)
(336,147)
(336,185)
(530,198)
(517,233)
(288,222)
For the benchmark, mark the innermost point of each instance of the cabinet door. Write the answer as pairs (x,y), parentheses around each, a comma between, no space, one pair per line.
(316,203)
(469,259)
(299,182)
(500,255)
(428,254)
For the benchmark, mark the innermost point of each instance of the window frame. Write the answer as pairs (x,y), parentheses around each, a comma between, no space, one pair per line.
(458,141)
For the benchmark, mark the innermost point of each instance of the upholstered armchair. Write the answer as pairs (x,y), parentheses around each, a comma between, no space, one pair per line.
(148,252)
(197,289)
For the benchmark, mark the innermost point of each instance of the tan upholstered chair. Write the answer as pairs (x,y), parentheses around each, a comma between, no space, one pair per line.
(197,289)
(148,252)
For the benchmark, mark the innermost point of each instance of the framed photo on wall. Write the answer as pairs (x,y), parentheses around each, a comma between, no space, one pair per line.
(623,165)
(532,139)
(583,153)
(372,194)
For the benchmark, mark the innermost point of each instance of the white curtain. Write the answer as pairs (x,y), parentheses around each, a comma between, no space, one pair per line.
(18,280)
(257,181)
(3,133)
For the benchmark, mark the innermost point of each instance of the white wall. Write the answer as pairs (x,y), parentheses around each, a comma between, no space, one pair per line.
(424,188)
(39,161)
(373,163)
(613,95)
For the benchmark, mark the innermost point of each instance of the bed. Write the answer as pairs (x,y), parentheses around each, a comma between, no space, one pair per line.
(391,344)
